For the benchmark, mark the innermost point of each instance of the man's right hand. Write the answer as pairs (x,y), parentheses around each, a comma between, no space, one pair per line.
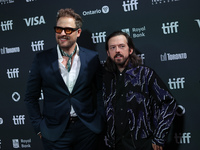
(40,135)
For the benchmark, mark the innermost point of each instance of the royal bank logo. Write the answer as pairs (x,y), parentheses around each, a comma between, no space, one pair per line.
(139,32)
(198,22)
(130,5)
(170,27)
(154,2)
(135,32)
(183,138)
(170,57)
(104,10)
(7,25)
(13,73)
(34,21)
(6,2)
(6,50)
(98,37)
(21,143)
(15,143)
(16,96)
(37,45)
(176,83)
(19,120)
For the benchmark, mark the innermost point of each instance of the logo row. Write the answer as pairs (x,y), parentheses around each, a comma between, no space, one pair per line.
(17,120)
(180,138)
(167,28)
(174,83)
(128,5)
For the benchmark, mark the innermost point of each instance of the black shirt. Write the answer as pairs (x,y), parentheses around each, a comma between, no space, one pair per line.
(121,117)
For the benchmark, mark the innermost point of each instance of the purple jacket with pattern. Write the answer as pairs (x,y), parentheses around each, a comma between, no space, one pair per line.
(150,106)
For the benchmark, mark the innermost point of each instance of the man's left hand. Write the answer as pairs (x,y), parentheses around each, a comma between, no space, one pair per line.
(157,147)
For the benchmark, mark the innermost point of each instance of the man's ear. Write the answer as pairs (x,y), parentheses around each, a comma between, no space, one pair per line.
(131,51)
(108,53)
(79,32)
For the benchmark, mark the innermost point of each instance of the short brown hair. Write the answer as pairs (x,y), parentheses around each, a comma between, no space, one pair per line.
(68,12)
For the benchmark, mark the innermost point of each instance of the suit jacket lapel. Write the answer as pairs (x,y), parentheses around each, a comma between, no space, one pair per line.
(81,72)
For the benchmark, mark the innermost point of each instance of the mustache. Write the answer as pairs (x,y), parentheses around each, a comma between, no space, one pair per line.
(64,37)
(118,55)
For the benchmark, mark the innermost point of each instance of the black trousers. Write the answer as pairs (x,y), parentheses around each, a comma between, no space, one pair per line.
(127,143)
(76,137)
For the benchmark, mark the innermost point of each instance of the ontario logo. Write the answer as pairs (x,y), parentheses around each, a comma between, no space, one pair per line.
(104,10)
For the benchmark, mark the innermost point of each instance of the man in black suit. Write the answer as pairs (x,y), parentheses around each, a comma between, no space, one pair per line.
(71,79)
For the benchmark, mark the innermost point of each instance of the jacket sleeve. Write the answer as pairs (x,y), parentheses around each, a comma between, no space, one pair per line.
(164,107)
(33,92)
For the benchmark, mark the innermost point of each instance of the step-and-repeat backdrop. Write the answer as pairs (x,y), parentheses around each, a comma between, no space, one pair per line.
(166,34)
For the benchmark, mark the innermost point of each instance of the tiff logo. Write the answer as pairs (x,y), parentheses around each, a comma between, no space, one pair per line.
(6,25)
(34,21)
(37,45)
(130,5)
(98,37)
(176,83)
(182,138)
(168,56)
(19,119)
(171,27)
(142,57)
(13,73)
(198,22)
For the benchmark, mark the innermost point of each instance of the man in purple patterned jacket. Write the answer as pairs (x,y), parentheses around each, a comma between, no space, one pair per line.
(139,107)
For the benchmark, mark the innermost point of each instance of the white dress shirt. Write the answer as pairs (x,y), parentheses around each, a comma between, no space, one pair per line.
(70,77)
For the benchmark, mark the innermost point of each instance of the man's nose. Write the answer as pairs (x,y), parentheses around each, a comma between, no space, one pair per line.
(63,32)
(117,49)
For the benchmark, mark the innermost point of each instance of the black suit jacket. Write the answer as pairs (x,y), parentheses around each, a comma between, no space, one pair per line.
(86,97)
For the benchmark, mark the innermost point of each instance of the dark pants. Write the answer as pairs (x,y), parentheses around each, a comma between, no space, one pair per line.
(127,143)
(76,137)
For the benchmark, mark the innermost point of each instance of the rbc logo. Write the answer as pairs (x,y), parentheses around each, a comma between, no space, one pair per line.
(171,27)
(15,143)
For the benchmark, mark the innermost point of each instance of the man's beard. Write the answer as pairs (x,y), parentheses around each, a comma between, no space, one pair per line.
(121,64)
